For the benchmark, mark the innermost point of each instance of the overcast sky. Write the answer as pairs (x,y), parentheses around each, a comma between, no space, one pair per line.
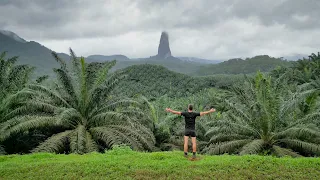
(211,29)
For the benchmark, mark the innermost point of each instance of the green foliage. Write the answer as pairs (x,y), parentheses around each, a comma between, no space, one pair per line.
(172,63)
(225,81)
(308,67)
(86,108)
(81,104)
(263,63)
(121,149)
(154,81)
(12,79)
(170,128)
(261,117)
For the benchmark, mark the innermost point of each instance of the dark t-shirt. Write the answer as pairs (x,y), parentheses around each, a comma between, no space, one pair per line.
(190,118)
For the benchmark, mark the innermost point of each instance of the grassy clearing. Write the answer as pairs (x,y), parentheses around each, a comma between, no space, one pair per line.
(124,164)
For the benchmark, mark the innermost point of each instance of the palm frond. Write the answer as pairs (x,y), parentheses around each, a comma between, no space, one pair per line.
(242,129)
(78,140)
(253,147)
(110,117)
(100,94)
(66,81)
(62,63)
(69,117)
(114,105)
(151,108)
(53,95)
(84,96)
(226,137)
(279,151)
(30,108)
(297,98)
(310,118)
(114,137)
(130,131)
(28,123)
(75,64)
(55,143)
(227,147)
(301,146)
(91,145)
(237,111)
(212,131)
(102,75)
(299,132)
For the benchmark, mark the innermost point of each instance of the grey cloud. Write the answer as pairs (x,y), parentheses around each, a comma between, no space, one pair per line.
(217,27)
(36,14)
(70,19)
(281,12)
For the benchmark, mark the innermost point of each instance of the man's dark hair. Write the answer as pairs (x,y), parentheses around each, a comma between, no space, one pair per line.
(190,107)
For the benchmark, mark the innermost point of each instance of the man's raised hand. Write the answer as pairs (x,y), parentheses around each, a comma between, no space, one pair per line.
(212,110)
(168,109)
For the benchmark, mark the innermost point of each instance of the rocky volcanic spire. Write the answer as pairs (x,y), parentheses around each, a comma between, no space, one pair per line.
(164,49)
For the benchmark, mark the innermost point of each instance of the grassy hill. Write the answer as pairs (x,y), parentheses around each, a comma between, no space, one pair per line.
(126,164)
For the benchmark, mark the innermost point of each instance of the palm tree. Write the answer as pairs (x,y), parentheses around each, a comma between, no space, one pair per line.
(260,119)
(82,105)
(306,70)
(13,78)
(315,62)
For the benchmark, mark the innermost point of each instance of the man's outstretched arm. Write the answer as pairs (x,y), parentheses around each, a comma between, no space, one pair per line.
(207,112)
(172,111)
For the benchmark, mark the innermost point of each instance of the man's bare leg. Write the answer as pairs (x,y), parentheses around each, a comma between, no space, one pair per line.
(186,139)
(194,146)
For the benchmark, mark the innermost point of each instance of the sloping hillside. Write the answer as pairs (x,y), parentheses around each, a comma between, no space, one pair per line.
(263,63)
(155,81)
(31,53)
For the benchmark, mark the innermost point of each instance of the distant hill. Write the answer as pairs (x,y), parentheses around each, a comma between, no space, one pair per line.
(102,58)
(39,56)
(199,60)
(155,81)
(31,53)
(295,57)
(172,63)
(263,63)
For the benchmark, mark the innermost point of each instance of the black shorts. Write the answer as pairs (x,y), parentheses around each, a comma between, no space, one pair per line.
(190,132)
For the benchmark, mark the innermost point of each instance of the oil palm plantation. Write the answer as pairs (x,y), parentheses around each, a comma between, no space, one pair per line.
(263,117)
(13,78)
(80,106)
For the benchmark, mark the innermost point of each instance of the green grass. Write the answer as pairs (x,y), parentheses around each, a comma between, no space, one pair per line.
(124,164)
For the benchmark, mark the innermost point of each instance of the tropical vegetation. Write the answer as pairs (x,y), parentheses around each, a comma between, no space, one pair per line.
(87,107)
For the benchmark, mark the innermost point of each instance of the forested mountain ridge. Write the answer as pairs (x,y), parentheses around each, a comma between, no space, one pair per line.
(264,63)
(31,53)
(39,56)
